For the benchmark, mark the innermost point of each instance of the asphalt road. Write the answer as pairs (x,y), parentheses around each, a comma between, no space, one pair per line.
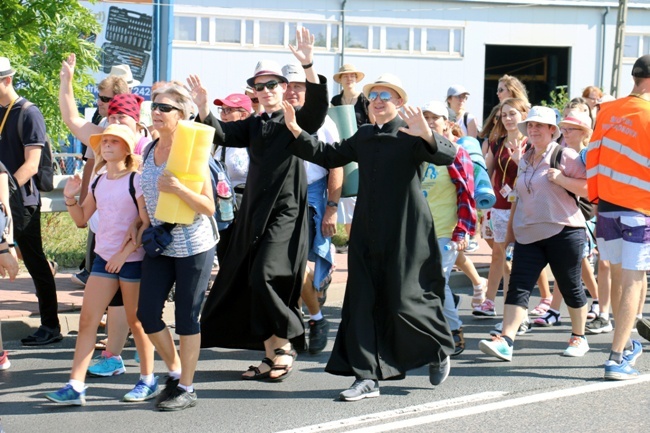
(539,391)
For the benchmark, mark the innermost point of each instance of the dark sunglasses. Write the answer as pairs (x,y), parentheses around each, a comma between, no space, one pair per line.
(384,96)
(163,108)
(104,99)
(255,100)
(269,85)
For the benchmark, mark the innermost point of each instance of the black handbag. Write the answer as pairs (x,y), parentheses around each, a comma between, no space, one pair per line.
(156,238)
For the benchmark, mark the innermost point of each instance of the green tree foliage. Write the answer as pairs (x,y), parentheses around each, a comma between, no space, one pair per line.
(36,36)
(559,98)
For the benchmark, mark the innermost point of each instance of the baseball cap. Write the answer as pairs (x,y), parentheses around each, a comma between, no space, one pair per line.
(235,100)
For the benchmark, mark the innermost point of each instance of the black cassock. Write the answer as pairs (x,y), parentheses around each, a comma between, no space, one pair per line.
(256,292)
(392,317)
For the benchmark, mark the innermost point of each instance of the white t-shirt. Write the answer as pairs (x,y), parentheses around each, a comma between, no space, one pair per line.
(328,133)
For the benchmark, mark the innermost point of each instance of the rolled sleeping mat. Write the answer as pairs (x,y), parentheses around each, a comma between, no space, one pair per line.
(483,191)
(346,123)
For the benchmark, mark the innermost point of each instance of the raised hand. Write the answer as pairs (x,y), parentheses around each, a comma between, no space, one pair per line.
(72,186)
(517,150)
(304,50)
(67,68)
(290,119)
(417,124)
(198,92)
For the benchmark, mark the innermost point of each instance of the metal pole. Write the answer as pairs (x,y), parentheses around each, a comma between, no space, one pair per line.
(618,47)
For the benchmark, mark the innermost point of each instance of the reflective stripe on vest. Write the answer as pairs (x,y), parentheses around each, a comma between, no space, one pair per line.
(619,177)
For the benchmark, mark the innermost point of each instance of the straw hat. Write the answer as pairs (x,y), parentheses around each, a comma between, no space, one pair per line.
(265,68)
(117,130)
(540,114)
(348,69)
(390,81)
(5,68)
(577,118)
(124,72)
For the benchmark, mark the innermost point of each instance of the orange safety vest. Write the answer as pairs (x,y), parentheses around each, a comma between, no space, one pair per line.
(618,158)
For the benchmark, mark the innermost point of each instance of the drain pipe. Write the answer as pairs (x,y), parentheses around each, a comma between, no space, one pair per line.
(602,47)
(343,32)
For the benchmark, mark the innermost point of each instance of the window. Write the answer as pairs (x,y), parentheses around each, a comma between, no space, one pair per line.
(356,37)
(438,40)
(646,45)
(417,41)
(205,29)
(334,36)
(228,31)
(631,46)
(457,41)
(272,33)
(397,38)
(185,28)
(249,31)
(375,34)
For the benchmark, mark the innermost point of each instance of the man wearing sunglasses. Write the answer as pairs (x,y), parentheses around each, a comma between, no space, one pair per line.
(392,318)
(254,301)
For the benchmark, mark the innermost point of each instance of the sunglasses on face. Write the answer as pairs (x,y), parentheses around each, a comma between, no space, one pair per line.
(384,96)
(255,100)
(269,85)
(163,108)
(104,99)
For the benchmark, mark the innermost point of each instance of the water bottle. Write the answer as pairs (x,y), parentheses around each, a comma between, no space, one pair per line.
(226,209)
(451,246)
(509,249)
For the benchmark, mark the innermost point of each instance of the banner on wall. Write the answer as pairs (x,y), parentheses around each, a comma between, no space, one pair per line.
(126,38)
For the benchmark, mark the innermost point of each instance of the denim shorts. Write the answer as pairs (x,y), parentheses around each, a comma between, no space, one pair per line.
(624,237)
(130,272)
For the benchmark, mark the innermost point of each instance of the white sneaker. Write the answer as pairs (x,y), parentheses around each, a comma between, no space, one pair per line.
(578,346)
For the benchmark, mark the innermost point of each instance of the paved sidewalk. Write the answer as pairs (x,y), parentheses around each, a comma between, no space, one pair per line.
(19,305)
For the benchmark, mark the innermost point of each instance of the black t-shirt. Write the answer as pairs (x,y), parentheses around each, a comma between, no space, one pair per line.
(12,150)
(360,107)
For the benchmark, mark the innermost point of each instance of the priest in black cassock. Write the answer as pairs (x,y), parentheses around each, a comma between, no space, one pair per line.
(392,317)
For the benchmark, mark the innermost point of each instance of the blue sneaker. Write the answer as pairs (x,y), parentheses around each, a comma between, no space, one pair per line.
(496,347)
(106,366)
(142,391)
(68,396)
(622,371)
(631,355)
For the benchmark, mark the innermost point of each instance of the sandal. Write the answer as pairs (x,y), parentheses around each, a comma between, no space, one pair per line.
(101,344)
(288,369)
(542,308)
(258,374)
(551,318)
(479,294)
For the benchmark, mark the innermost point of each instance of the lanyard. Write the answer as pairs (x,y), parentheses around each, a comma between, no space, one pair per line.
(2,126)
(503,145)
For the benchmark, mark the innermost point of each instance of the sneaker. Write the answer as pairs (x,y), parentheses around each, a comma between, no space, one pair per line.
(599,325)
(496,347)
(459,341)
(178,399)
(497,330)
(472,246)
(170,386)
(4,361)
(551,318)
(141,391)
(594,311)
(342,249)
(486,309)
(622,371)
(632,355)
(438,372)
(54,267)
(80,278)
(43,336)
(578,346)
(643,328)
(318,331)
(106,366)
(68,396)
(523,328)
(360,389)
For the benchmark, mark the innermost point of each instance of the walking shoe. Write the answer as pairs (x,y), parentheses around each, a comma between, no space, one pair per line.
(318,330)
(594,311)
(478,296)
(106,366)
(43,336)
(68,396)
(631,355)
(459,341)
(80,278)
(141,391)
(551,318)
(578,346)
(523,328)
(4,361)
(496,347)
(438,372)
(178,399)
(472,246)
(170,386)
(599,325)
(54,267)
(643,328)
(496,331)
(486,309)
(360,389)
(342,249)
(622,371)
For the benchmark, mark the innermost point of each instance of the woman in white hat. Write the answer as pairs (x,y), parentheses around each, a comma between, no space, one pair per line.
(548,229)
(348,77)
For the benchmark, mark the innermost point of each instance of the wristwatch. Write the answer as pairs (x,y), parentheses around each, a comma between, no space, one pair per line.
(332,204)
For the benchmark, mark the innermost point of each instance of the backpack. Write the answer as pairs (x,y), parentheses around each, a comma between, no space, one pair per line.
(44,177)
(131,188)
(586,207)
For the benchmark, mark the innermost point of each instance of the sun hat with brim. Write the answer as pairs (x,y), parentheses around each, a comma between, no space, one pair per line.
(437,108)
(540,114)
(387,80)
(5,68)
(456,90)
(348,69)
(124,72)
(117,130)
(266,68)
(577,118)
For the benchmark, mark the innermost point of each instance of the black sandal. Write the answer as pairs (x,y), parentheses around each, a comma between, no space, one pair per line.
(258,374)
(288,369)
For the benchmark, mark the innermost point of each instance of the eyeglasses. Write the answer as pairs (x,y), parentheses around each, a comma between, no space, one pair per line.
(228,110)
(255,100)
(104,99)
(384,96)
(565,130)
(163,108)
(269,85)
(501,90)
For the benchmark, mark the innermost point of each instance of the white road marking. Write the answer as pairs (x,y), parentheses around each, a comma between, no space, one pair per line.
(500,405)
(411,410)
